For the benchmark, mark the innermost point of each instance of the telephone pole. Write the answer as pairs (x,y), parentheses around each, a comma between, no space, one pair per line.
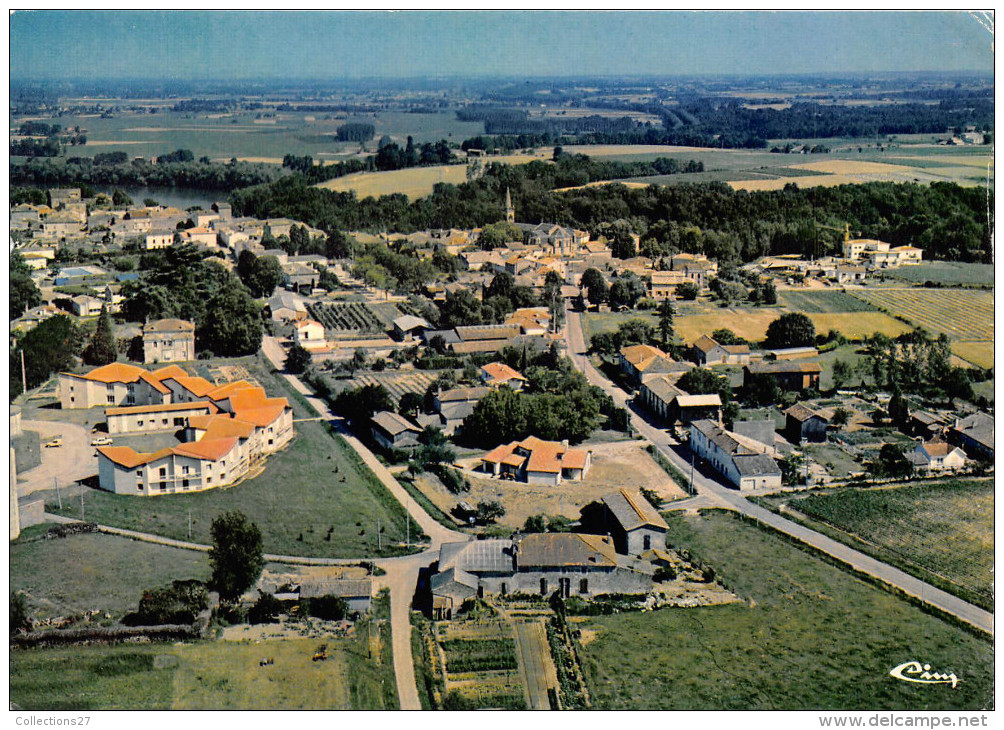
(82,503)
(24,380)
(59,497)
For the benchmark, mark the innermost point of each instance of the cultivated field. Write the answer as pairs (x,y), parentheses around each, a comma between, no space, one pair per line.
(415,182)
(945,272)
(481,662)
(810,637)
(821,302)
(942,532)
(752,324)
(95,572)
(966,316)
(396,382)
(354,317)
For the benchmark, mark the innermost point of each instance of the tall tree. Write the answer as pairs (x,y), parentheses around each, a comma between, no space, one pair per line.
(102,348)
(297,359)
(234,327)
(236,556)
(666,313)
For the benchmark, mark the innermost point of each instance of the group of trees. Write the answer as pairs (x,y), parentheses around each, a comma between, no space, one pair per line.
(24,294)
(179,282)
(260,274)
(915,362)
(557,404)
(48,348)
(390,156)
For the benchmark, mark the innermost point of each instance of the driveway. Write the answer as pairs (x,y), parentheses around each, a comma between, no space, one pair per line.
(71,462)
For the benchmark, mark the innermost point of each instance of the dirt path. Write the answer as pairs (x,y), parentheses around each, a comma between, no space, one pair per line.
(535,664)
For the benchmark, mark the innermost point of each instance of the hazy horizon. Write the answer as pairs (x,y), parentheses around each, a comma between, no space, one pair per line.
(351,46)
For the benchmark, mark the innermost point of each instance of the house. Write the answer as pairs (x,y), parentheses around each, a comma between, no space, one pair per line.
(309,334)
(497,374)
(636,360)
(788,375)
(158,239)
(392,431)
(59,196)
(707,351)
(356,592)
(803,423)
(456,404)
(635,525)
(287,307)
(761,431)
(478,260)
(85,305)
(543,563)
(737,460)
(223,210)
(168,340)
(531,320)
(663,284)
(298,276)
(938,456)
(484,338)
(673,405)
(926,425)
(552,238)
(536,461)
(975,434)
(198,236)
(696,268)
(410,327)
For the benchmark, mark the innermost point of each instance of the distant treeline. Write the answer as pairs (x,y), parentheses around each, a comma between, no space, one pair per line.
(141,173)
(714,122)
(948,221)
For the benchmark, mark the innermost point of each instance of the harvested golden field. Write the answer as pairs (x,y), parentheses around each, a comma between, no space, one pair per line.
(965,171)
(415,182)
(980,354)
(980,161)
(852,167)
(752,325)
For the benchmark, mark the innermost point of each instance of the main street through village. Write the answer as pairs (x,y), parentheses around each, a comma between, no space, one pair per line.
(732,499)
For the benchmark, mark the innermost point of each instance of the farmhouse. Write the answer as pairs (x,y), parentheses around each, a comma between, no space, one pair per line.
(356,592)
(86,306)
(975,434)
(673,405)
(409,327)
(158,239)
(392,431)
(788,375)
(484,338)
(938,456)
(707,351)
(168,340)
(663,284)
(309,334)
(638,360)
(535,461)
(801,422)
(497,374)
(569,563)
(636,526)
(456,404)
(743,466)
(287,307)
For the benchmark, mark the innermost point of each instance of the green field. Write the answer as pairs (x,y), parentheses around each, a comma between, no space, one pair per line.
(208,676)
(810,636)
(222,136)
(945,272)
(315,485)
(95,571)
(942,532)
(821,302)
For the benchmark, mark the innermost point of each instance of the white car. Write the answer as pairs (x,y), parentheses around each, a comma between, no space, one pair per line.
(103,441)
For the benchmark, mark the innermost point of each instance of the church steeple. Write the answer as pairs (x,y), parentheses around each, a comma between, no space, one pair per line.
(510,212)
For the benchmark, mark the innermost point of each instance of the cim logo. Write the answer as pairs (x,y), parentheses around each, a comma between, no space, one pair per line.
(921,674)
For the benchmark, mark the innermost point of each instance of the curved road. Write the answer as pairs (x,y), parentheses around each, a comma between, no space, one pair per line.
(402,573)
(735,500)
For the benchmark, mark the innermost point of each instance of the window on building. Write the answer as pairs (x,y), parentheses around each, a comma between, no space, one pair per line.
(584,585)
(179,421)
(647,542)
(163,486)
(139,424)
(543,586)
(111,399)
(139,486)
(163,471)
(184,483)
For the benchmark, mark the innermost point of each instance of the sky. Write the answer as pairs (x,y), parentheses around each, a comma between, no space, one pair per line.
(332,45)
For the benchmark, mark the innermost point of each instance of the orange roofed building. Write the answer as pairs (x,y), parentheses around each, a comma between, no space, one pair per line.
(536,461)
(229,429)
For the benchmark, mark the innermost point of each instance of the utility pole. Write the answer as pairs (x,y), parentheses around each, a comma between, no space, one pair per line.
(693,489)
(24,380)
(407,521)
(189,523)
(59,497)
(379,542)
(82,503)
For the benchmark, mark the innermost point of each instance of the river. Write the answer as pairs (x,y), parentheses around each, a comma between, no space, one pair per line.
(177,197)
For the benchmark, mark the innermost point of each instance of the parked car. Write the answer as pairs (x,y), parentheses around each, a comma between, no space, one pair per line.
(54,444)
(103,441)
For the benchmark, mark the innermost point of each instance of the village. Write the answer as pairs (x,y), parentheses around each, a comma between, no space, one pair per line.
(540,402)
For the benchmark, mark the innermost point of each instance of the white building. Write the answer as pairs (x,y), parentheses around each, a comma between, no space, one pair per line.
(309,334)
(168,340)
(743,466)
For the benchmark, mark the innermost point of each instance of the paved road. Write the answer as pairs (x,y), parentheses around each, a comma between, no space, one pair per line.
(732,499)
(72,461)
(402,572)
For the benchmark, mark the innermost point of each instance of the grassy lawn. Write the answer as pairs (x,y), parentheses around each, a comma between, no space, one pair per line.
(851,354)
(116,677)
(941,532)
(316,485)
(209,676)
(95,571)
(811,637)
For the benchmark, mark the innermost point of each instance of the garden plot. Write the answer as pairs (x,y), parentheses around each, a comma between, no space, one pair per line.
(354,317)
(480,662)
